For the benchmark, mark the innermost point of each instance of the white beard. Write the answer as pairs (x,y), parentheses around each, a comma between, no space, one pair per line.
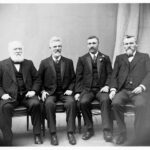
(17,58)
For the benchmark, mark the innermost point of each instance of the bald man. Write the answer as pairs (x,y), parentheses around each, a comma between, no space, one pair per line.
(19,85)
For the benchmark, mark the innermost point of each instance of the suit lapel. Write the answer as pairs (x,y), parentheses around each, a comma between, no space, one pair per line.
(24,69)
(89,61)
(62,61)
(135,60)
(11,70)
(125,59)
(51,63)
(99,64)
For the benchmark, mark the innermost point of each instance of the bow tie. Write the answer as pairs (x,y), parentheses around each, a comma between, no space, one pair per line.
(16,63)
(130,56)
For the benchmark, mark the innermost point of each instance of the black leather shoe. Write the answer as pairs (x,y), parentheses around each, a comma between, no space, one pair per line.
(71,138)
(54,140)
(107,135)
(121,139)
(37,139)
(87,135)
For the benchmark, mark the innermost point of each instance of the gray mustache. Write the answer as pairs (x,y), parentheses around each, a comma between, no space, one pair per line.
(129,48)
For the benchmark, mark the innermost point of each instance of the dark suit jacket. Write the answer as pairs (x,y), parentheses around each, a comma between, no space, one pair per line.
(47,74)
(8,82)
(84,74)
(140,68)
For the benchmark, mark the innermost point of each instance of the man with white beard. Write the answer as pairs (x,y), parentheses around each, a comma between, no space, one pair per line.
(19,85)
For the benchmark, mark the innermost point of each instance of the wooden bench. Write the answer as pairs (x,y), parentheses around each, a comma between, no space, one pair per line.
(129,110)
(23,111)
(59,109)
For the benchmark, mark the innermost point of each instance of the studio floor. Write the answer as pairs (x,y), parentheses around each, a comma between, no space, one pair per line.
(23,138)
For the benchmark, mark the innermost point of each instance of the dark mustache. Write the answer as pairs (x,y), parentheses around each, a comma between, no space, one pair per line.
(58,50)
(92,48)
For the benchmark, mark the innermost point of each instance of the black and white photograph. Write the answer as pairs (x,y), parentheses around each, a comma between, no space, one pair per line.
(74,74)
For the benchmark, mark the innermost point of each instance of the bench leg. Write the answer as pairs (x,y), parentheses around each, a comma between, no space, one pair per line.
(27,122)
(79,121)
(43,126)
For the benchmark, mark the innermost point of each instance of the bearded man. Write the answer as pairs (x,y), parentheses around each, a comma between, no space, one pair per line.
(19,85)
(131,83)
(58,79)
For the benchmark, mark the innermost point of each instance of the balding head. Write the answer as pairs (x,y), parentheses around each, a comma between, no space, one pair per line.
(15,49)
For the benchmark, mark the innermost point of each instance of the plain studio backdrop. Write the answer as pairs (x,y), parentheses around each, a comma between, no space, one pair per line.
(35,24)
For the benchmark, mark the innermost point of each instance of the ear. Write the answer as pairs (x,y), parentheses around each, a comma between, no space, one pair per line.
(136,45)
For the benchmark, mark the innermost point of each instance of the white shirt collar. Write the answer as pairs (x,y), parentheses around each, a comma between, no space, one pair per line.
(56,59)
(134,53)
(131,58)
(17,66)
(92,55)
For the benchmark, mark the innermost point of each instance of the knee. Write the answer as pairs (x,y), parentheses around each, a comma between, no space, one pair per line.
(139,101)
(84,102)
(7,107)
(49,103)
(105,100)
(35,103)
(140,104)
(70,102)
(115,104)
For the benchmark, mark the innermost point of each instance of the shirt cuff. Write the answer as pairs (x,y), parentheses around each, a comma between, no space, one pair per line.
(42,91)
(113,89)
(143,87)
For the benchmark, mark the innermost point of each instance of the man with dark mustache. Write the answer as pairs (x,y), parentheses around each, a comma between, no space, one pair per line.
(93,74)
(131,83)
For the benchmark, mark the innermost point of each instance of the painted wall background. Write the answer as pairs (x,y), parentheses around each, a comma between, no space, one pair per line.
(35,24)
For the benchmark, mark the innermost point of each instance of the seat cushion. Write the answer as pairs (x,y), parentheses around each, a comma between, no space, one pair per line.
(95,104)
(60,106)
(20,111)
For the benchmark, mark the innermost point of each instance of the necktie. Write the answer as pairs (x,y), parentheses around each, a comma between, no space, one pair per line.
(16,63)
(94,58)
(57,61)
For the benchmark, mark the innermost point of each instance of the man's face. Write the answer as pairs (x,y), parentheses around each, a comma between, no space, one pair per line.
(129,45)
(56,48)
(92,45)
(16,52)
